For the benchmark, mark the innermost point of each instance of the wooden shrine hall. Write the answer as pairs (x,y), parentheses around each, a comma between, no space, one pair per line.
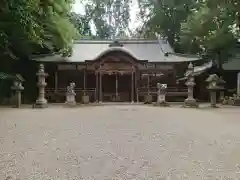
(120,70)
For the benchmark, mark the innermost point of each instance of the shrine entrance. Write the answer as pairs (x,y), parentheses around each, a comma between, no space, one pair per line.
(116,74)
(117,87)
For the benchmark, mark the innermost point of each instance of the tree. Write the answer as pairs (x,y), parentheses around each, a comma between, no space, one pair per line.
(110,18)
(164,17)
(81,23)
(212,28)
(30,26)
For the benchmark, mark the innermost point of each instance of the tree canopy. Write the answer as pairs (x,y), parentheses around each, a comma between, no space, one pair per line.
(48,26)
(212,26)
(32,26)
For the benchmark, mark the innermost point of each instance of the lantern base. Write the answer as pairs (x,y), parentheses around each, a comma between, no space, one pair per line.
(214,106)
(162,104)
(85,99)
(148,99)
(70,104)
(40,106)
(190,103)
(41,103)
(236,102)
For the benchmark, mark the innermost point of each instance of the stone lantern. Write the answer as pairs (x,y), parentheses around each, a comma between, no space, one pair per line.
(41,102)
(18,88)
(213,86)
(190,101)
(70,95)
(161,95)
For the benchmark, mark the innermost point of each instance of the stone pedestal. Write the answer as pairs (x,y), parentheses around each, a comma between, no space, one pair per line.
(148,99)
(17,88)
(214,86)
(70,95)
(213,99)
(70,99)
(161,95)
(221,97)
(117,98)
(190,101)
(41,102)
(236,102)
(85,99)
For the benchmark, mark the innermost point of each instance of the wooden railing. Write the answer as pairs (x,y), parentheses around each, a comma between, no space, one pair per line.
(59,94)
(171,91)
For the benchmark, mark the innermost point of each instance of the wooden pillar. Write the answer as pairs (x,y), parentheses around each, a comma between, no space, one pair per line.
(100,88)
(96,89)
(148,85)
(132,88)
(138,86)
(56,82)
(116,81)
(84,82)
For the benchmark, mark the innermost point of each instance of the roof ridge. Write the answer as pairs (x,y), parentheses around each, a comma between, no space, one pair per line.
(184,55)
(130,41)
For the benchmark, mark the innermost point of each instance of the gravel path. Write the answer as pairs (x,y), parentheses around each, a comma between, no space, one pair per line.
(119,142)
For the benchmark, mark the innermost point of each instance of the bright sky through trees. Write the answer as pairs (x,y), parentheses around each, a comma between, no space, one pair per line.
(134,22)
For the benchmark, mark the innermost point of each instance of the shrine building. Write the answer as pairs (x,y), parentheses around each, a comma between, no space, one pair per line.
(120,70)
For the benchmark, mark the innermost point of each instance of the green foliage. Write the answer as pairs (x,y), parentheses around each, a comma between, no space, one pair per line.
(35,26)
(27,26)
(110,18)
(212,26)
(81,23)
(192,26)
(164,17)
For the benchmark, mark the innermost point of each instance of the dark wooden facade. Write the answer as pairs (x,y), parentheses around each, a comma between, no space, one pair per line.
(116,76)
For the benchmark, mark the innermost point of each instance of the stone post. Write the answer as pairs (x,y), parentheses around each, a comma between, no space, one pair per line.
(17,88)
(70,95)
(161,95)
(221,96)
(41,102)
(190,101)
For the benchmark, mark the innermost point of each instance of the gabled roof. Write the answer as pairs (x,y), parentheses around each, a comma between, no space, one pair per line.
(199,70)
(5,76)
(141,49)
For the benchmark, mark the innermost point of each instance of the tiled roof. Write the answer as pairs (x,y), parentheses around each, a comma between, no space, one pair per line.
(199,70)
(151,50)
(4,76)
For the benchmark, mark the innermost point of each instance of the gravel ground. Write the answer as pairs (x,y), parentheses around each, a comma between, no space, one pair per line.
(119,142)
